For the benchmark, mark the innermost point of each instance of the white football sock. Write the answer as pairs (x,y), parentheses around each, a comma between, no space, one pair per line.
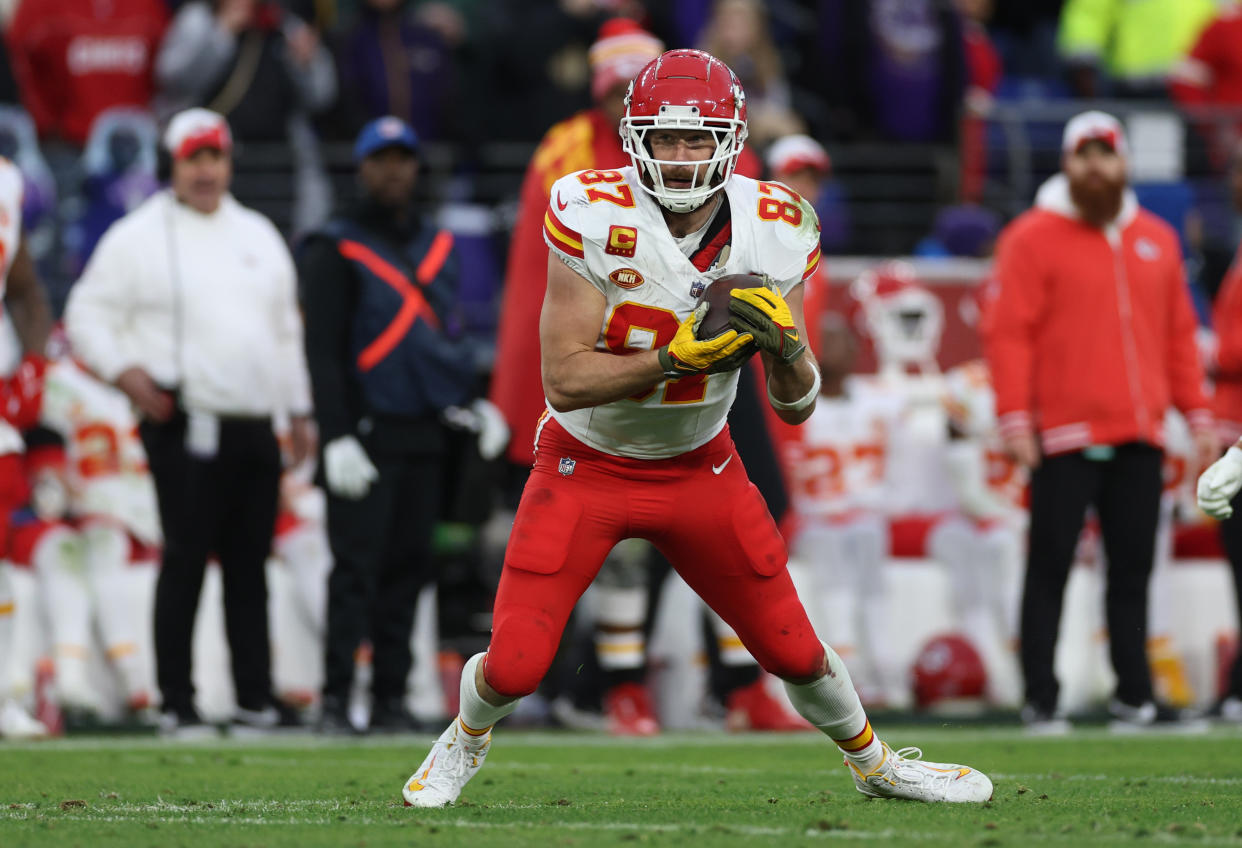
(620,643)
(475,715)
(831,704)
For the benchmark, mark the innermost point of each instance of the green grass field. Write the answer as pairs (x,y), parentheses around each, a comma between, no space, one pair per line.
(545,789)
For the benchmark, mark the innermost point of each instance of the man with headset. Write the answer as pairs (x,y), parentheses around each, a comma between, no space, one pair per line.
(189,306)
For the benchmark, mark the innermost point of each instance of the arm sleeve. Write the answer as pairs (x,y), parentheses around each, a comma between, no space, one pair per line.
(96,314)
(1185,372)
(1228,325)
(194,53)
(316,82)
(1193,78)
(289,337)
(809,253)
(1009,334)
(327,301)
(562,230)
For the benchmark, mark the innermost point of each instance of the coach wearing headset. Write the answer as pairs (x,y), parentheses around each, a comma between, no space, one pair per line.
(189,306)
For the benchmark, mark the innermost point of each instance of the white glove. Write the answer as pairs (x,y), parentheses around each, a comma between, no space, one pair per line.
(49,497)
(1220,483)
(967,467)
(347,468)
(493,429)
(483,419)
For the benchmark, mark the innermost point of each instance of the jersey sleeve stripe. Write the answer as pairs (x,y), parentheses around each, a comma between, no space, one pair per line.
(561,236)
(812,264)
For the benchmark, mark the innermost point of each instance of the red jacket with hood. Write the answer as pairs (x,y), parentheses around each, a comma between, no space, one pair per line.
(1091,335)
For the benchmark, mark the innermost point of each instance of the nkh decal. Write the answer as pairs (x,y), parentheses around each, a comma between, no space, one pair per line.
(626,278)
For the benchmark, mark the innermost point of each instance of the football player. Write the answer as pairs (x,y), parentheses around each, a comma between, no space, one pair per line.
(110,498)
(980,545)
(634,441)
(21,388)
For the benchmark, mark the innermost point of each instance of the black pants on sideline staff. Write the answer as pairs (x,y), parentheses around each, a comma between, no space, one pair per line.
(1231,538)
(381,551)
(1125,491)
(226,506)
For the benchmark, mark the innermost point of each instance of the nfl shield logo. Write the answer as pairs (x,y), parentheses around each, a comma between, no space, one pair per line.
(697,288)
(567,466)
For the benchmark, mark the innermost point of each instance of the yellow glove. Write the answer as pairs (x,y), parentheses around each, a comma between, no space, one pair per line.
(685,355)
(764,314)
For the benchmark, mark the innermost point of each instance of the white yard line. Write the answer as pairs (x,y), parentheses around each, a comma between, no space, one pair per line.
(897,734)
(1126,778)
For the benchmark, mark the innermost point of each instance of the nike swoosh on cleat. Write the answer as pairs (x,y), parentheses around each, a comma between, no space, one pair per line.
(560,204)
(962,771)
(416,785)
(716,469)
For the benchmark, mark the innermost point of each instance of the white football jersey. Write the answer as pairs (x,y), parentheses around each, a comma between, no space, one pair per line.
(106,465)
(11,191)
(611,232)
(970,404)
(839,465)
(1179,458)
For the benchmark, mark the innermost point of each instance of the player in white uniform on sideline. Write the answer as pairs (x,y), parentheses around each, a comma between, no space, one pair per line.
(26,303)
(1169,676)
(837,470)
(635,443)
(109,497)
(981,545)
(299,590)
(905,321)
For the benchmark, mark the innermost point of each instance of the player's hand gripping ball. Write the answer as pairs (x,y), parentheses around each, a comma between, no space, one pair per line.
(717,296)
(705,343)
(761,310)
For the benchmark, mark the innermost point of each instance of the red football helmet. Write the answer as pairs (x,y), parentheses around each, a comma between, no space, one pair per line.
(685,90)
(948,669)
(902,317)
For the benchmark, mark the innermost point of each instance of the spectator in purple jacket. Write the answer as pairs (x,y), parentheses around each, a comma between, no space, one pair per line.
(392,61)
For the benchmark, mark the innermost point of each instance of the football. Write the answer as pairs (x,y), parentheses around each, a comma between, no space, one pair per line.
(717,295)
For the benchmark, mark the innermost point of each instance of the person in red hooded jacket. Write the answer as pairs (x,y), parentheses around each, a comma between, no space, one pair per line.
(1220,484)
(1090,338)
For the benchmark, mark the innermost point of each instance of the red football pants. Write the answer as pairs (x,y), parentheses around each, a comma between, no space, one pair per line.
(699,509)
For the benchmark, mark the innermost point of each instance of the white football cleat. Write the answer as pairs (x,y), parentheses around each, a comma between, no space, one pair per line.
(16,723)
(904,774)
(449,766)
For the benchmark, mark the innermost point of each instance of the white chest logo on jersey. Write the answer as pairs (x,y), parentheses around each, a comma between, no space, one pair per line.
(697,288)
(626,278)
(1147,250)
